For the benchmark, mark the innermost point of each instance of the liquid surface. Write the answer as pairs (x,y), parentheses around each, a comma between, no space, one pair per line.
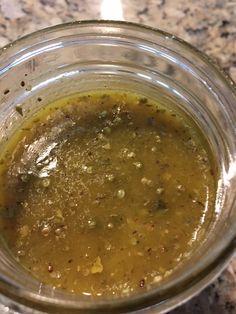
(105,194)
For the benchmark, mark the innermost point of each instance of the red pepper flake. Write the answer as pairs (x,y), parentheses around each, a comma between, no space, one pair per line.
(141,283)
(50,268)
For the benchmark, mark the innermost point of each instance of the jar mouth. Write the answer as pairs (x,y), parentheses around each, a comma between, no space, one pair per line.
(222,89)
(31,36)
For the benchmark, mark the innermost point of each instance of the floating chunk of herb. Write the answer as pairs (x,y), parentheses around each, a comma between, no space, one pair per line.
(159,205)
(141,283)
(19,109)
(143,100)
(120,194)
(97,266)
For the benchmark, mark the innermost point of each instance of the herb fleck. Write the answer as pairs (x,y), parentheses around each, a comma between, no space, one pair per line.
(141,283)
(19,109)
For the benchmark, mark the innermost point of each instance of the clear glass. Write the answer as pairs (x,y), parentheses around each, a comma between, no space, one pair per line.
(89,55)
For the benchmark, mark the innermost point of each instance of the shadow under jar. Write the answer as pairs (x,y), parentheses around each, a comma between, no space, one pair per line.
(85,56)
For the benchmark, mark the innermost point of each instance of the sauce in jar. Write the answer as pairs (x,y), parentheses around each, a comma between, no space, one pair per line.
(105,193)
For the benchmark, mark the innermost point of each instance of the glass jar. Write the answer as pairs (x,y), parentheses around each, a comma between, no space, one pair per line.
(83,56)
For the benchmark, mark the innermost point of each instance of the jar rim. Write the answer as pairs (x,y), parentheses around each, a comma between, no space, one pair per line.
(212,63)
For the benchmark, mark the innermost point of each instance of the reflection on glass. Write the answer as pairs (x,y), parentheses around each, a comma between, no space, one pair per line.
(112,10)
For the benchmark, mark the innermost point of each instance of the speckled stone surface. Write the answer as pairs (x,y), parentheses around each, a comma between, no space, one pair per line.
(210,25)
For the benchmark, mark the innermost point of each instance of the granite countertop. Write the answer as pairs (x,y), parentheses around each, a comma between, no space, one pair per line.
(209,25)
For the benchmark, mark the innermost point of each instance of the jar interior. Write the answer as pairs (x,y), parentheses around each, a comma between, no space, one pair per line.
(116,60)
